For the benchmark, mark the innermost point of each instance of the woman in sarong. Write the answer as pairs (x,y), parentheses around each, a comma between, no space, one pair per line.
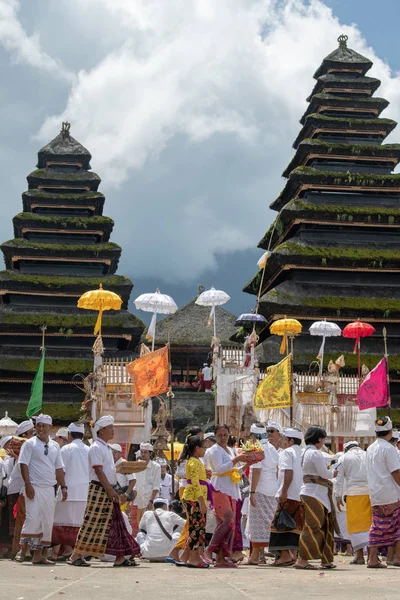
(225,481)
(317,536)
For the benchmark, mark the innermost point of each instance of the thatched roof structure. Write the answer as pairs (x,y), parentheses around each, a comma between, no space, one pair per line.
(64,146)
(188,327)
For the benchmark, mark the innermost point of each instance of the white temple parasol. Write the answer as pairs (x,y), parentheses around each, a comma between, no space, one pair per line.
(324,329)
(159,304)
(7,425)
(212,298)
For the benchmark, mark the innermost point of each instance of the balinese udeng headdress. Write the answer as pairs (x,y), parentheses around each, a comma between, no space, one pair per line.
(383,424)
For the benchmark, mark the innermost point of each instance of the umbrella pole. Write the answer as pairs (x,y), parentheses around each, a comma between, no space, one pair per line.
(153,341)
(359,359)
(215,324)
(170,396)
(291,380)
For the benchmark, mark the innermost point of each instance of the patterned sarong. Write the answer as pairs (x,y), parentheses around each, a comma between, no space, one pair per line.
(289,539)
(316,539)
(260,518)
(225,514)
(385,530)
(103,529)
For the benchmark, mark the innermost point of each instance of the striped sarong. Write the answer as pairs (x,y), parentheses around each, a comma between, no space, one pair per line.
(103,529)
(385,530)
(316,538)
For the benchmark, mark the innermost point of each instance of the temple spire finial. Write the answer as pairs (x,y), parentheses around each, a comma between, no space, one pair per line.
(342,39)
(65,129)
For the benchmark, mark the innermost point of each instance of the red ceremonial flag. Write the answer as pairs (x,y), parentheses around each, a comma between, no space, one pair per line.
(374,390)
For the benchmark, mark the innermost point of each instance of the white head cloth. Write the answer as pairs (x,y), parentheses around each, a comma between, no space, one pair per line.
(274,425)
(381,426)
(289,432)
(160,501)
(24,427)
(4,440)
(396,435)
(45,419)
(350,443)
(116,447)
(103,422)
(256,429)
(162,462)
(146,446)
(208,435)
(76,428)
(62,432)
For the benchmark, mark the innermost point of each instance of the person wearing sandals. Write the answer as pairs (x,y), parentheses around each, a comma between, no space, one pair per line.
(383,472)
(195,501)
(290,479)
(317,536)
(352,482)
(225,480)
(263,488)
(103,530)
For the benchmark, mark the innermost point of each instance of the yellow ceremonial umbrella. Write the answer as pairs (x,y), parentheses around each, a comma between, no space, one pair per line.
(286,328)
(100,300)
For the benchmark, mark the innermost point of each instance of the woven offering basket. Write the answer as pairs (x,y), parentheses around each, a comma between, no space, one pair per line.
(128,467)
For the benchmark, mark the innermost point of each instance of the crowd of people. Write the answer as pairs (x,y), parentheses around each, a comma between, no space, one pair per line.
(65,499)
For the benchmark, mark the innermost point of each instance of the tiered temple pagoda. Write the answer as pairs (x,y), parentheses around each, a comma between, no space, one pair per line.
(335,244)
(61,249)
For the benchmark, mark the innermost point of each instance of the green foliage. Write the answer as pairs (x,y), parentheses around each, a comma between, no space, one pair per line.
(335,253)
(353,303)
(59,411)
(252,287)
(346,178)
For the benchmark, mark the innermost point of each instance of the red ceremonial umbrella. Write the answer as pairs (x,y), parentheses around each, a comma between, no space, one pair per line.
(357,330)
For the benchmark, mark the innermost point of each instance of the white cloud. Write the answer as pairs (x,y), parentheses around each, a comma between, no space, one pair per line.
(191,116)
(24,48)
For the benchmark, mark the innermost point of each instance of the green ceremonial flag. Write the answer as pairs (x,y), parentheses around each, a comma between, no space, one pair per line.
(36,399)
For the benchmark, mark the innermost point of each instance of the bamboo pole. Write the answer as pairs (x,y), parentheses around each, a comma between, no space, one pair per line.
(384,332)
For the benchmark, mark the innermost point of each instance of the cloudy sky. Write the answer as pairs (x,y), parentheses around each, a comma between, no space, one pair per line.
(189,108)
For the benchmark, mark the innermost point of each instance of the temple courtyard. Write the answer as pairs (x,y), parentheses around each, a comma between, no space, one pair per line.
(161,581)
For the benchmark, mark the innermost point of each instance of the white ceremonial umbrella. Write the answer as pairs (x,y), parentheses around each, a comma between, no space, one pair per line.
(159,304)
(324,329)
(212,298)
(7,425)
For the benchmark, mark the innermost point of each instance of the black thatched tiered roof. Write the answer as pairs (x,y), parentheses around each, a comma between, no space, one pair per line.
(335,243)
(61,249)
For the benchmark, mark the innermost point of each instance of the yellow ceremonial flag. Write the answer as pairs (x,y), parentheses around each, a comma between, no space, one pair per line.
(274,390)
(149,374)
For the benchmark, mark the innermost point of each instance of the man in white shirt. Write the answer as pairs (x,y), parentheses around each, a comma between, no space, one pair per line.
(41,469)
(207,378)
(103,530)
(352,483)
(147,482)
(69,515)
(159,530)
(263,488)
(15,497)
(126,483)
(165,482)
(383,472)
(290,480)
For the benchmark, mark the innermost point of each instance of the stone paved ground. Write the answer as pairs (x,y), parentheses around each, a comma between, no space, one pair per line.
(161,582)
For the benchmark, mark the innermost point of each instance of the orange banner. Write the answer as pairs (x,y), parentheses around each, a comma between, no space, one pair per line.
(149,374)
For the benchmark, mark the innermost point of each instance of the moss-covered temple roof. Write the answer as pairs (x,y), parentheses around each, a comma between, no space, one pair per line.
(301,176)
(352,151)
(350,124)
(64,147)
(335,81)
(332,100)
(342,58)
(36,221)
(188,327)
(41,177)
